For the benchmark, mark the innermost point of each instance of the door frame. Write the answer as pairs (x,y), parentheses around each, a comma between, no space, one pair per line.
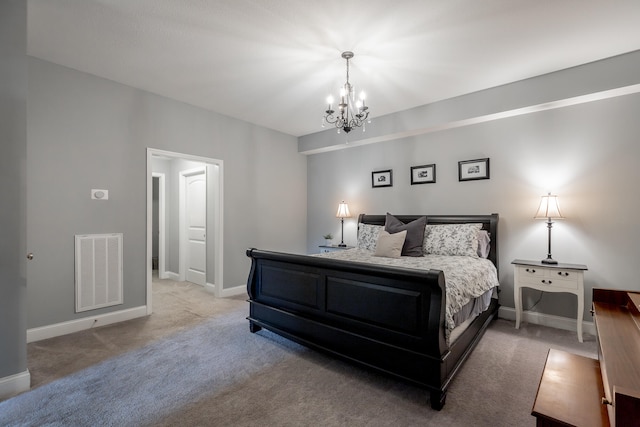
(162,273)
(218,221)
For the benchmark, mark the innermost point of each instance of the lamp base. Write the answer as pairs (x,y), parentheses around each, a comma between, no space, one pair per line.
(549,261)
(342,245)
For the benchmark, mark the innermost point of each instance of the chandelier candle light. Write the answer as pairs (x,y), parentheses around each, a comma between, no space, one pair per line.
(351,113)
(549,210)
(343,212)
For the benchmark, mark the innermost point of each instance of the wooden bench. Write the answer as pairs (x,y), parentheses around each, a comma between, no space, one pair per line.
(570,392)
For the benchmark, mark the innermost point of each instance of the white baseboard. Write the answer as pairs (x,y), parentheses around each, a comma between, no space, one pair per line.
(236,290)
(550,320)
(57,329)
(226,292)
(15,384)
(171,276)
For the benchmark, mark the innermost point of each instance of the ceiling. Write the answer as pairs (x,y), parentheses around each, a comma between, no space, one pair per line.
(274,62)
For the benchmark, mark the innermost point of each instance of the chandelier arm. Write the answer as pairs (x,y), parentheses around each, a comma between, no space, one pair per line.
(338,121)
(330,119)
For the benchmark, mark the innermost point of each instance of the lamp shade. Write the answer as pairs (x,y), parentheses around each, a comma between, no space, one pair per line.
(548,208)
(343,211)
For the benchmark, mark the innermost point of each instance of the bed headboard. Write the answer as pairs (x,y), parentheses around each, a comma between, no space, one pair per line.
(489,223)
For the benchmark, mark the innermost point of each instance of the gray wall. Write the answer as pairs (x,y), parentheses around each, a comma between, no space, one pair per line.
(86,132)
(586,153)
(13,139)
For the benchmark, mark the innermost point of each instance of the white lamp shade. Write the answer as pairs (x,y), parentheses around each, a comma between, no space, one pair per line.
(548,208)
(343,211)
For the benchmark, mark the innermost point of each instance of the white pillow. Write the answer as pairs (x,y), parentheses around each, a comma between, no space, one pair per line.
(452,239)
(368,236)
(484,243)
(390,245)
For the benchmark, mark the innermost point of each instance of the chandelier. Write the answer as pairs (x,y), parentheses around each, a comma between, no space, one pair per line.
(351,113)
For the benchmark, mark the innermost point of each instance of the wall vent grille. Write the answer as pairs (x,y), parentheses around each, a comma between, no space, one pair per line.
(98,271)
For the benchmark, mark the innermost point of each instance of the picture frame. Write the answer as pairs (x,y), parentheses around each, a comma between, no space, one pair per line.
(473,170)
(382,178)
(424,174)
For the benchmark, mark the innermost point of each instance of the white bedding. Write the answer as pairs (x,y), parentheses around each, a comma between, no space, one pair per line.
(465,277)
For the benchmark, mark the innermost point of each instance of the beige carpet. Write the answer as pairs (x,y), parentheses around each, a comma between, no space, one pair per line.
(176,306)
(194,363)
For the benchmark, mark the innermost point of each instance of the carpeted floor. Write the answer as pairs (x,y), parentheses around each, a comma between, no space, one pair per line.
(194,363)
(176,306)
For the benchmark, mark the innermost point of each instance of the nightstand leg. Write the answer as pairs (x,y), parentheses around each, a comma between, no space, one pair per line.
(517,297)
(580,315)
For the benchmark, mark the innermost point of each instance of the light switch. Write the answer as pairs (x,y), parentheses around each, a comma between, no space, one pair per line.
(100,194)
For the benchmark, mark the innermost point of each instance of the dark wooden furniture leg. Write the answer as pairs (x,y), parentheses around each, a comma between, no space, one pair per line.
(437,399)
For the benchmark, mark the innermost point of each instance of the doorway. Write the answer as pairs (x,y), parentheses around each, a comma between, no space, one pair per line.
(189,218)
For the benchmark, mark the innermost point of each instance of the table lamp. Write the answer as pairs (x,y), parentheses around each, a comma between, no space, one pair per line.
(343,212)
(549,210)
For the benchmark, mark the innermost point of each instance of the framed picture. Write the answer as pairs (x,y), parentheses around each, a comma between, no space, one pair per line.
(469,170)
(382,179)
(425,174)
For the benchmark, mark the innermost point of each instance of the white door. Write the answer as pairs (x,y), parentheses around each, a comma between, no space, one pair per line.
(196,222)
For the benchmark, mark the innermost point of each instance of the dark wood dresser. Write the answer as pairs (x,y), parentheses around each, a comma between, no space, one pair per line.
(579,391)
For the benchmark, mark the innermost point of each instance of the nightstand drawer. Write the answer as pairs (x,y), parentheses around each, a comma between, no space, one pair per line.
(535,273)
(540,276)
(550,282)
(561,283)
(564,274)
(534,281)
(324,248)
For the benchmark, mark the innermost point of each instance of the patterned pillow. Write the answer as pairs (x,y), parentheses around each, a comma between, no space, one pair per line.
(368,236)
(452,239)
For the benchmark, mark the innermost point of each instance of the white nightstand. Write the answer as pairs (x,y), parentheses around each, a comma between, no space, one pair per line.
(325,248)
(548,278)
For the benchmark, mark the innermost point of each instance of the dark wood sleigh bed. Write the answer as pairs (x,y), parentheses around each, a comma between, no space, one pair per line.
(388,318)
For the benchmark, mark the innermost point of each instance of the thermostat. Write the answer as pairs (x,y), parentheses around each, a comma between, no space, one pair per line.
(100,194)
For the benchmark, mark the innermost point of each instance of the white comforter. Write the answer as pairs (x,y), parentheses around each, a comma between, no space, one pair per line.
(465,277)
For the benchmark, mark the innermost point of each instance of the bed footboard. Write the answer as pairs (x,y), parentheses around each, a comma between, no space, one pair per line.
(383,317)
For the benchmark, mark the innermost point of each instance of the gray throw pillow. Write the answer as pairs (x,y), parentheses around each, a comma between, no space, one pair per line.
(415,234)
